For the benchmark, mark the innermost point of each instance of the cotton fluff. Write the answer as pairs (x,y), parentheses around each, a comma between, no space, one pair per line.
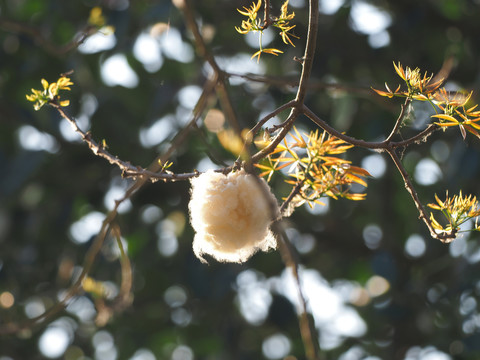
(231,215)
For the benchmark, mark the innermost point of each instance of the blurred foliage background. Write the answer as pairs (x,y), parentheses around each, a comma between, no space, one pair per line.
(378,286)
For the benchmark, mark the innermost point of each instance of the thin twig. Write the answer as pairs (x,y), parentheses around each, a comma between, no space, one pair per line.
(204,52)
(307,329)
(421,136)
(309,52)
(390,147)
(399,121)
(267,21)
(124,297)
(444,237)
(278,138)
(35,34)
(96,148)
(295,191)
(292,82)
(348,139)
(261,122)
(12,328)
(372,145)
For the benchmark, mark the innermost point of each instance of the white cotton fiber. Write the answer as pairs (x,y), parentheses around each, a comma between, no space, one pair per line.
(231,215)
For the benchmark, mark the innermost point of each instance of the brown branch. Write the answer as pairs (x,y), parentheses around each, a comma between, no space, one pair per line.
(307,329)
(372,145)
(171,177)
(75,289)
(124,297)
(443,237)
(93,251)
(295,191)
(421,136)
(186,7)
(283,132)
(267,20)
(399,121)
(332,131)
(309,51)
(36,35)
(261,122)
(204,52)
(390,147)
(293,82)
(290,259)
(95,147)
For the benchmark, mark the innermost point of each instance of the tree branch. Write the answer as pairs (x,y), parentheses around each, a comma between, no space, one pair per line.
(399,121)
(35,34)
(444,237)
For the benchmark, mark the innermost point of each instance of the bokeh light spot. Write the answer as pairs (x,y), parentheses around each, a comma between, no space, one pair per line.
(375,164)
(427,172)
(415,246)
(116,71)
(175,296)
(182,352)
(377,285)
(143,354)
(276,346)
(53,342)
(6,299)
(89,225)
(372,236)
(214,120)
(147,50)
(32,139)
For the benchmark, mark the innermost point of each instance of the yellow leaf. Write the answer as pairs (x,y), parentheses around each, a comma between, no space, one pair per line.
(272,51)
(300,140)
(284,9)
(52,90)
(319,202)
(93,287)
(241,31)
(435,223)
(447,124)
(257,7)
(472,123)
(383,93)
(434,206)
(258,53)
(355,197)
(64,83)
(359,171)
(96,18)
(356,179)
(283,166)
(286,39)
(399,70)
(264,167)
(446,117)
